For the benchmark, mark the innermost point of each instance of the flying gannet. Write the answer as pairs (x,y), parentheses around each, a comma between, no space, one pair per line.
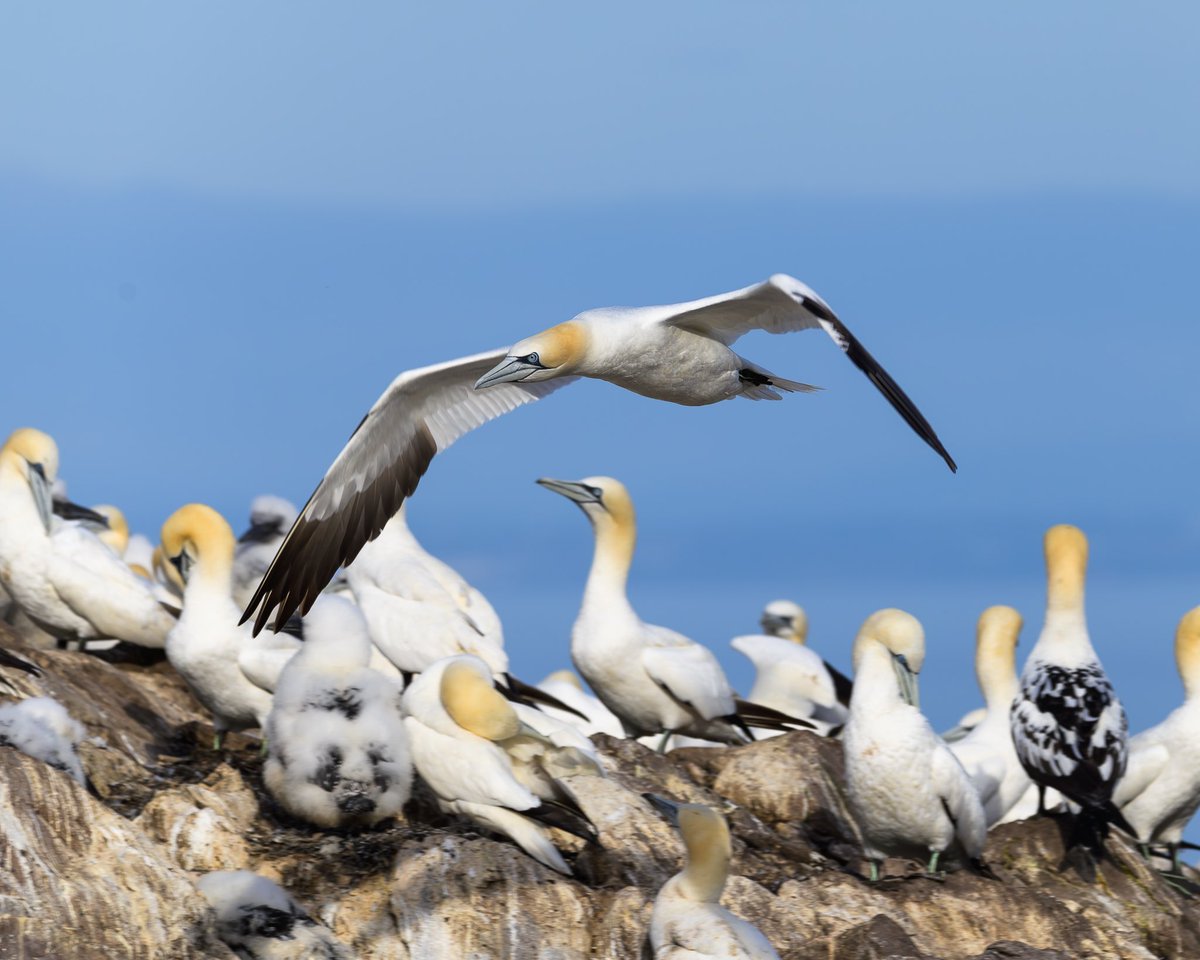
(688,921)
(338,748)
(471,747)
(679,353)
(60,576)
(655,680)
(1160,791)
(909,794)
(1068,726)
(987,752)
(211,651)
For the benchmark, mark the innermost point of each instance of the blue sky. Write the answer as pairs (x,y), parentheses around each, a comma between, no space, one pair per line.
(228,226)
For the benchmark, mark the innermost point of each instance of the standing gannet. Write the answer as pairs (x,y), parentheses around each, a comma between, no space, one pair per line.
(679,353)
(1160,791)
(60,576)
(270,519)
(470,746)
(909,794)
(565,686)
(208,645)
(654,679)
(417,608)
(338,749)
(1068,726)
(987,752)
(688,921)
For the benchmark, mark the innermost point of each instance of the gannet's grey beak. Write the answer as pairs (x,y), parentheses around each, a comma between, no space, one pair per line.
(668,808)
(579,493)
(42,495)
(772,623)
(183,563)
(906,679)
(73,511)
(508,370)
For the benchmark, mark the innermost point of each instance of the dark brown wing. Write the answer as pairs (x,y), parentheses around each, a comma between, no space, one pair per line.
(420,414)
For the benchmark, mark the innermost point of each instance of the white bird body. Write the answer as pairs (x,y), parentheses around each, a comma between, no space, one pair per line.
(1068,726)
(987,752)
(338,746)
(418,611)
(469,768)
(688,921)
(60,575)
(1160,791)
(909,794)
(680,353)
(207,645)
(565,686)
(790,678)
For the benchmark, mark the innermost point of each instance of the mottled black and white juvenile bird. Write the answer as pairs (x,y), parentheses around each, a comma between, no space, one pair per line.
(1068,726)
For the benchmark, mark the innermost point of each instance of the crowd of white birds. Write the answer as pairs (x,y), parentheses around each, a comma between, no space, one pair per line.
(396,667)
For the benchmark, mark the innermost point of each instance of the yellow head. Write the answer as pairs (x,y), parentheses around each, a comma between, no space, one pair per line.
(471,699)
(1066,567)
(786,619)
(564,676)
(197,534)
(709,849)
(1187,651)
(31,448)
(996,651)
(116,536)
(900,634)
(552,353)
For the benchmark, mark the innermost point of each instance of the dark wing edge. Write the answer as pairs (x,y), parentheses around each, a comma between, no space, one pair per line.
(861,358)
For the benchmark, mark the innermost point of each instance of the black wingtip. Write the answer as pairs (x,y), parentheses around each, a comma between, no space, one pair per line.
(523,693)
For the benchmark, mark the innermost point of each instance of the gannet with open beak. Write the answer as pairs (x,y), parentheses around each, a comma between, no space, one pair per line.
(909,794)
(654,679)
(679,353)
(688,921)
(1068,726)
(470,745)
(338,749)
(1160,791)
(208,647)
(987,752)
(67,582)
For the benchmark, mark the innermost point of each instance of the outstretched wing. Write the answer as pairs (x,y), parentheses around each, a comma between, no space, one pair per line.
(418,416)
(783,305)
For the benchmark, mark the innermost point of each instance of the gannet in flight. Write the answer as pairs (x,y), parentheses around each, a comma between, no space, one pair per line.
(987,752)
(338,750)
(67,582)
(473,750)
(1160,791)
(909,794)
(208,647)
(654,679)
(688,921)
(679,353)
(1068,726)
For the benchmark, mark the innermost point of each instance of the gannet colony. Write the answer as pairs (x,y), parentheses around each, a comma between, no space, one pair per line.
(375,687)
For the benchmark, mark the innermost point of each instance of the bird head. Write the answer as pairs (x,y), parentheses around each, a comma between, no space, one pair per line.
(1187,651)
(783,618)
(1066,566)
(544,356)
(197,534)
(33,455)
(901,635)
(470,697)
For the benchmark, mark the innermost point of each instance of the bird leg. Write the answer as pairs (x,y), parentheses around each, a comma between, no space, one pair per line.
(662,743)
(1041,800)
(933,862)
(874,865)
(218,739)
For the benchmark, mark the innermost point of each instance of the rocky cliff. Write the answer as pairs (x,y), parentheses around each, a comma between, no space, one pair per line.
(111,873)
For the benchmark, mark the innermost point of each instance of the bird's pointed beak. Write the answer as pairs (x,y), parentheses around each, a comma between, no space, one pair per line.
(771,623)
(42,495)
(668,808)
(508,370)
(73,511)
(260,532)
(907,681)
(579,493)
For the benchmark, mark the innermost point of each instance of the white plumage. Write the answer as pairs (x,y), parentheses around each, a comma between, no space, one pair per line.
(270,519)
(470,746)
(41,728)
(909,794)
(338,747)
(688,921)
(563,685)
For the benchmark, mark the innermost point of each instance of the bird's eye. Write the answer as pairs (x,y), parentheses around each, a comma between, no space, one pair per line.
(534,359)
(596,492)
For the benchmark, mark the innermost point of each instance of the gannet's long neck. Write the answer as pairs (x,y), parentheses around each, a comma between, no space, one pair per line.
(1187,654)
(611,559)
(212,575)
(703,879)
(875,686)
(1064,635)
(996,671)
